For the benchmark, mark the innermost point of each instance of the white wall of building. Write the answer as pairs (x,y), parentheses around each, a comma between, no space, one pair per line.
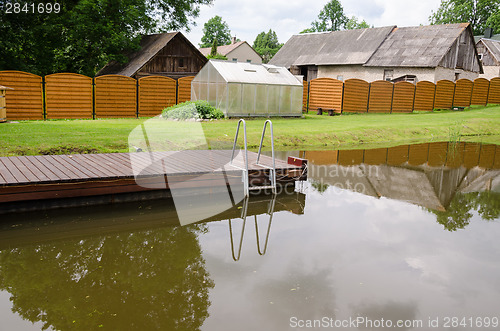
(490,72)
(243,53)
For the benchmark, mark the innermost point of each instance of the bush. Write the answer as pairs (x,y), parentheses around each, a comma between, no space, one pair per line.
(199,109)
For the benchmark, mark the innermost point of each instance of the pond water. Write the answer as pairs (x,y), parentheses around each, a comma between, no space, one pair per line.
(407,236)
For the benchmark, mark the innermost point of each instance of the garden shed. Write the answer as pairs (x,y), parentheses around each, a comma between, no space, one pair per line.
(246,89)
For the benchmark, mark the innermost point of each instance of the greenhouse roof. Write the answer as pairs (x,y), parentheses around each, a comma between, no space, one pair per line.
(242,72)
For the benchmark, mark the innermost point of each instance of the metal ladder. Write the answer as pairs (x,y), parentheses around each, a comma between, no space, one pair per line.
(272,170)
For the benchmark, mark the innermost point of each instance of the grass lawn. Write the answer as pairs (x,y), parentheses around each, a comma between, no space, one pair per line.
(479,124)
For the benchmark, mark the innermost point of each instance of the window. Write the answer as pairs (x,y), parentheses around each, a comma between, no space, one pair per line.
(388,74)
(181,62)
(481,56)
(249,61)
(235,59)
(457,76)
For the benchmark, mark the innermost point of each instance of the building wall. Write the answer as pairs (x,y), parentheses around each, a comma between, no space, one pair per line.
(243,53)
(490,72)
(371,74)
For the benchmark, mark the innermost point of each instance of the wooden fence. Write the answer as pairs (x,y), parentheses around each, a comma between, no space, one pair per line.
(67,95)
(72,96)
(356,95)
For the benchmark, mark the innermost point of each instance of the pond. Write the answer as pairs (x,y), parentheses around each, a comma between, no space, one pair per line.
(403,238)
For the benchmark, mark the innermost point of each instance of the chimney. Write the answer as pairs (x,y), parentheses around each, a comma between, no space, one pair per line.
(233,40)
(488,33)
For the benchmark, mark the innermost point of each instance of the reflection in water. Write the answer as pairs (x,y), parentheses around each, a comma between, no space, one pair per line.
(366,244)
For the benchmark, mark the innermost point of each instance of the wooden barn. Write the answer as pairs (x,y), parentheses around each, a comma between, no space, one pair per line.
(165,54)
(390,53)
(489,52)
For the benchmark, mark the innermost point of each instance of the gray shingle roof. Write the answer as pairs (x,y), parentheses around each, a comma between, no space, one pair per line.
(493,46)
(337,47)
(418,46)
(150,45)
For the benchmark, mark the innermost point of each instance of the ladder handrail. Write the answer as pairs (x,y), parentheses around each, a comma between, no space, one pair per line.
(273,177)
(245,178)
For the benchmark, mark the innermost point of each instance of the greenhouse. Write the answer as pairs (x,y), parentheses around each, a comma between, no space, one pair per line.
(247,89)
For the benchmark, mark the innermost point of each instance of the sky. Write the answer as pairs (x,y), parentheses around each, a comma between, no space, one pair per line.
(247,18)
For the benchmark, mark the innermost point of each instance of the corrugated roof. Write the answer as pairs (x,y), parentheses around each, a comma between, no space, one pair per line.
(419,46)
(493,46)
(223,50)
(242,72)
(150,45)
(331,48)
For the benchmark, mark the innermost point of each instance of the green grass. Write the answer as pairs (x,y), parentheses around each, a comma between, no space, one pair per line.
(479,124)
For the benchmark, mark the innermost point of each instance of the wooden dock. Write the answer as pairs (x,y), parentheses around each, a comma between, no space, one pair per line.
(30,178)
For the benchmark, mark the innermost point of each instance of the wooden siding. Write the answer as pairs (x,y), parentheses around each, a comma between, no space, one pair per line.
(155,94)
(424,96)
(68,95)
(356,95)
(184,89)
(494,92)
(444,94)
(380,99)
(462,54)
(480,92)
(115,96)
(463,93)
(25,102)
(177,59)
(325,93)
(403,98)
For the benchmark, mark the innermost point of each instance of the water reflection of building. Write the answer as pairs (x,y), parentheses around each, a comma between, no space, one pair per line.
(428,175)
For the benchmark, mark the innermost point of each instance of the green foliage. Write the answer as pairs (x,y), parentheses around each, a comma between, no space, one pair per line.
(199,109)
(217,29)
(86,34)
(217,57)
(353,24)
(332,18)
(118,281)
(476,12)
(267,45)
(213,51)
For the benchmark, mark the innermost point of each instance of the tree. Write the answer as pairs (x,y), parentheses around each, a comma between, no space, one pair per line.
(330,18)
(215,28)
(476,12)
(267,45)
(85,34)
(213,52)
(353,24)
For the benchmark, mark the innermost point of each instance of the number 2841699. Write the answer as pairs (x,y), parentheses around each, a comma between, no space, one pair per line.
(30,8)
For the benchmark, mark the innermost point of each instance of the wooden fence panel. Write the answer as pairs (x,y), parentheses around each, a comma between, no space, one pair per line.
(455,155)
(25,102)
(155,94)
(471,155)
(418,154)
(480,92)
(325,93)
(496,163)
(115,96)
(380,100)
(184,89)
(355,96)
(494,92)
(424,96)
(463,93)
(445,89)
(68,95)
(397,155)
(305,94)
(437,154)
(487,156)
(404,95)
(375,156)
(350,157)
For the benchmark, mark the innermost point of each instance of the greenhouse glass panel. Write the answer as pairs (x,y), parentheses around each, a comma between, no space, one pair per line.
(261,100)
(246,89)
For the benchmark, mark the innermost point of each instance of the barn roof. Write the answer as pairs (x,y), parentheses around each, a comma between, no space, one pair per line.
(493,47)
(150,45)
(417,46)
(337,47)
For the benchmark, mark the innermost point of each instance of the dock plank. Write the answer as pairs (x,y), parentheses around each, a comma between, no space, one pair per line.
(29,170)
(18,175)
(40,161)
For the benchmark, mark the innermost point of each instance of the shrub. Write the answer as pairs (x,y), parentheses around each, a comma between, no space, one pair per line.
(199,109)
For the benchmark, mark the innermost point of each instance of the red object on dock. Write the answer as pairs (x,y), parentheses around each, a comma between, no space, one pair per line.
(297,161)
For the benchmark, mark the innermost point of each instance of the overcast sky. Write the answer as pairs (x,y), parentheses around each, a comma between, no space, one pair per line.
(247,18)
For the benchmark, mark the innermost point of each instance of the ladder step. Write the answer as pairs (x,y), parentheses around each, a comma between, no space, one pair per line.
(261,187)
